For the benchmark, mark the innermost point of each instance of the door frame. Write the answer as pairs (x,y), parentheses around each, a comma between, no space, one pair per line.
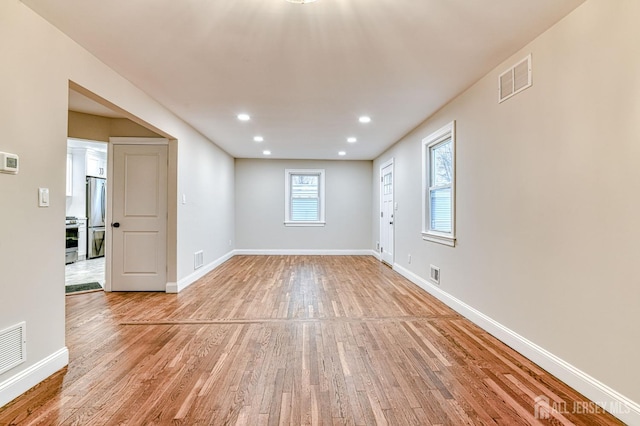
(389,162)
(171,207)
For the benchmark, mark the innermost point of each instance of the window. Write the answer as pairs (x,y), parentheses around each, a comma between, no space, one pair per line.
(304,197)
(438,186)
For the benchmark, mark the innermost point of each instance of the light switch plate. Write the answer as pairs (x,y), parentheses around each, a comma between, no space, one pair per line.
(43,197)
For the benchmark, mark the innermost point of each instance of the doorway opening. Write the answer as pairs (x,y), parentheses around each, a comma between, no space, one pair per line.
(387,212)
(85,219)
(97,126)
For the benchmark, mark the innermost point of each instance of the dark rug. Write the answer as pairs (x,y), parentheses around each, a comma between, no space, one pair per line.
(83,287)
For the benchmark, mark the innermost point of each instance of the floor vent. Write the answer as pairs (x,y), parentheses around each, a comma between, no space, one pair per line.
(13,346)
(515,79)
(434,274)
(198,259)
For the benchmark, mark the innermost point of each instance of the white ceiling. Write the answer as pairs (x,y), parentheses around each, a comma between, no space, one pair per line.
(304,73)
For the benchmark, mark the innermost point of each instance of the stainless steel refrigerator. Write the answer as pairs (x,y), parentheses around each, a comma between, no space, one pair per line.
(96,216)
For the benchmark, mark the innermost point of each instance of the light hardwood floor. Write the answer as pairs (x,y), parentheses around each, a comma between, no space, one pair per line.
(287,340)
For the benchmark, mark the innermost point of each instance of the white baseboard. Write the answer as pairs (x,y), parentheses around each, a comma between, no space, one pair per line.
(617,404)
(15,386)
(296,252)
(197,274)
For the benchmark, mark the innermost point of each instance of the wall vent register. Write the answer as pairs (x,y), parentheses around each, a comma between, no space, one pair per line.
(13,346)
(434,274)
(198,259)
(515,79)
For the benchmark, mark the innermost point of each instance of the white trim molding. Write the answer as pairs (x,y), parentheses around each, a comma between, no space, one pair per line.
(436,237)
(624,408)
(443,136)
(298,252)
(15,386)
(118,140)
(288,194)
(384,220)
(376,254)
(197,274)
(307,224)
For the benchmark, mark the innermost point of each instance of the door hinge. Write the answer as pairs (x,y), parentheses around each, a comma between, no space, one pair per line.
(381,214)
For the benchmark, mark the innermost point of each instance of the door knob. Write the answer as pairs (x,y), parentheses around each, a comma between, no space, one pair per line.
(390,223)
(116,224)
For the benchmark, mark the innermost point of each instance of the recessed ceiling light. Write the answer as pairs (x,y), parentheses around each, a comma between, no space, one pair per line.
(258,138)
(244,117)
(342,153)
(364,119)
(266,152)
(301,1)
(352,140)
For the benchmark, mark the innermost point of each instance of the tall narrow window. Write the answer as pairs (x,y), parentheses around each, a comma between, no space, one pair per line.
(304,197)
(438,186)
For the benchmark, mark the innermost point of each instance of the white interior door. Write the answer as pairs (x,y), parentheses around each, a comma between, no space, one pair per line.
(139,219)
(386,213)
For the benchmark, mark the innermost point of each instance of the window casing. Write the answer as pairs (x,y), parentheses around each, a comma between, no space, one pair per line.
(304,197)
(438,186)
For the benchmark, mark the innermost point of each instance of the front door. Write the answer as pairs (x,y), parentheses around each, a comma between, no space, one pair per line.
(139,220)
(386,213)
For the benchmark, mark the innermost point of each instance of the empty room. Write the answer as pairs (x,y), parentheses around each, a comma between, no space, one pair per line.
(319,212)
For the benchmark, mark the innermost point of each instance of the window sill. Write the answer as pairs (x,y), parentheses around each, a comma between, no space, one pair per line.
(304,224)
(447,240)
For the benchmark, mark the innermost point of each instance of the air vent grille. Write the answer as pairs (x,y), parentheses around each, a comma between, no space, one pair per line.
(506,86)
(434,274)
(13,349)
(515,79)
(198,259)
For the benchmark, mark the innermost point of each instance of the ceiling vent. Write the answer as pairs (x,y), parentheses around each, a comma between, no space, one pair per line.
(515,79)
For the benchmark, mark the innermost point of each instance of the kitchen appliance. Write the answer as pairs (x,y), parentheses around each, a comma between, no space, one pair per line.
(96,216)
(71,253)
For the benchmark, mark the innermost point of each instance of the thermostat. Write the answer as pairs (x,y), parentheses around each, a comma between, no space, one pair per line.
(8,163)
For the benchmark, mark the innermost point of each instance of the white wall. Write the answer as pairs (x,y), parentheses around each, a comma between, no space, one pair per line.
(207,219)
(548,187)
(260,187)
(38,61)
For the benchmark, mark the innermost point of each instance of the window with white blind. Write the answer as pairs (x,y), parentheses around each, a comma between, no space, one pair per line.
(438,186)
(304,197)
